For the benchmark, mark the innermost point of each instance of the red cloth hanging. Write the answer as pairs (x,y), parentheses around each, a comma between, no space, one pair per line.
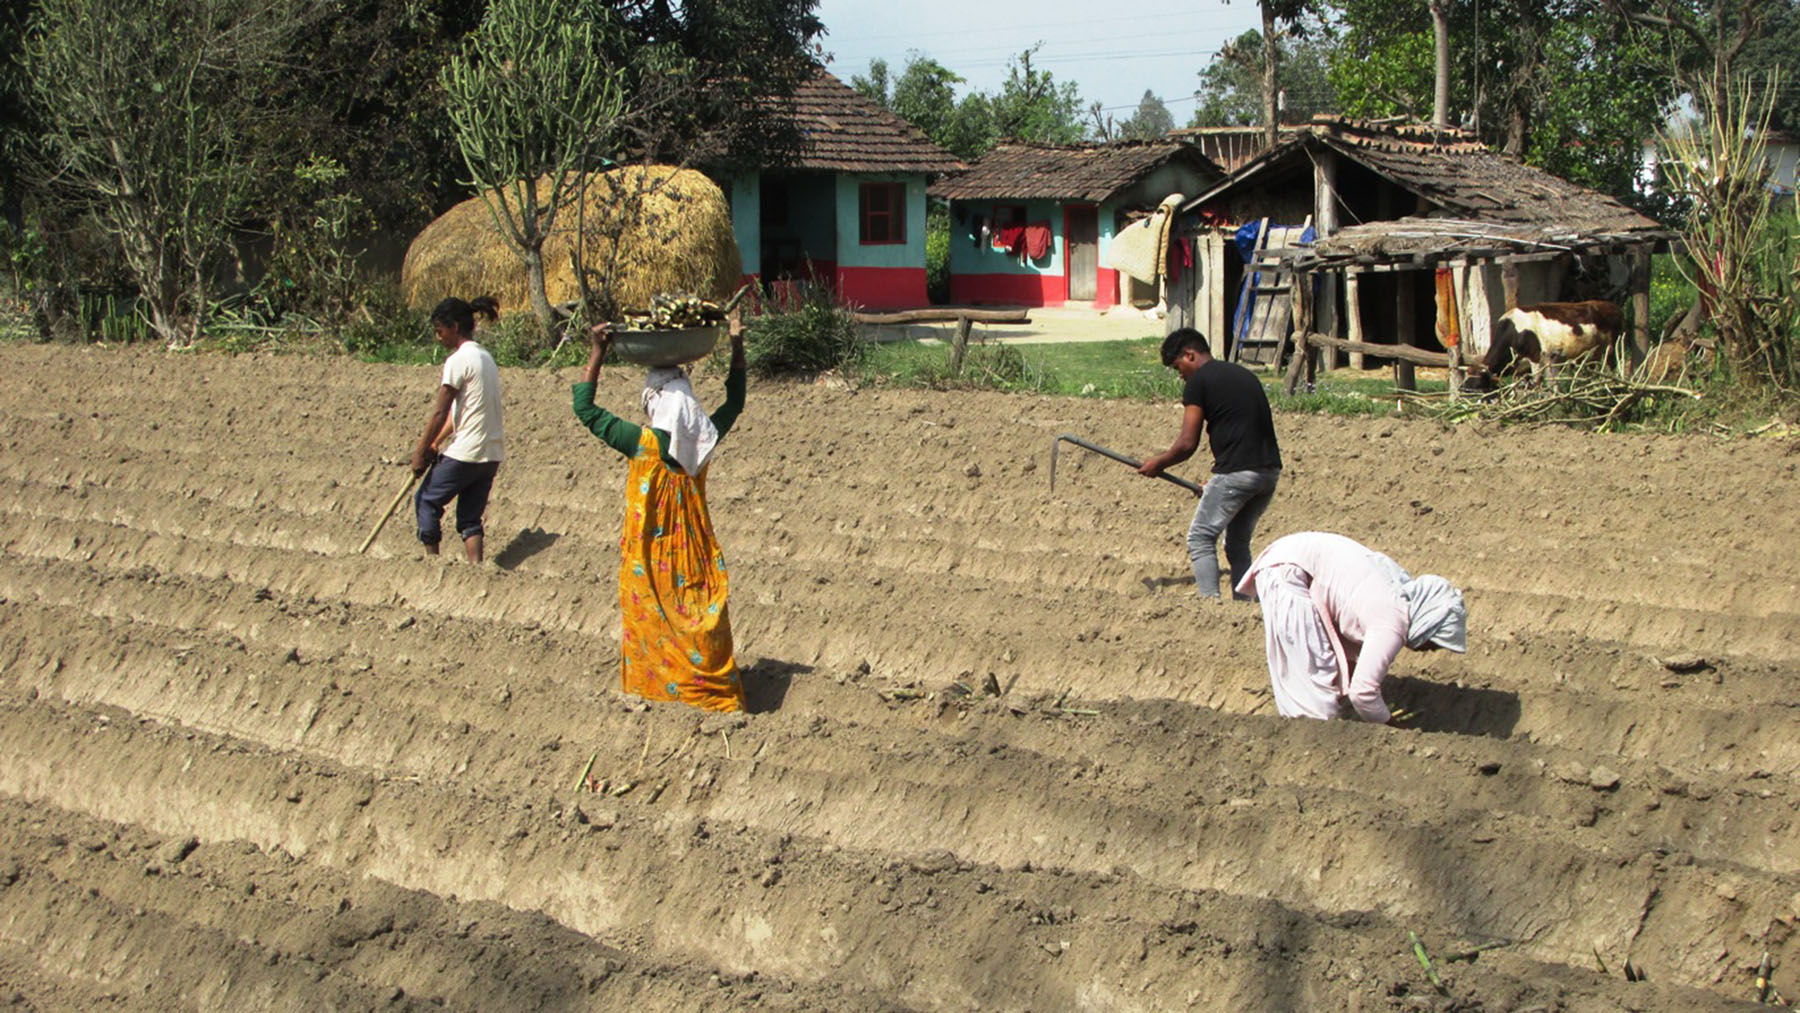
(1037,240)
(1010,238)
(1181,255)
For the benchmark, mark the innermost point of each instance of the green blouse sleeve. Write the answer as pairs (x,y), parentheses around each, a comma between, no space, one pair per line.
(614,431)
(727,413)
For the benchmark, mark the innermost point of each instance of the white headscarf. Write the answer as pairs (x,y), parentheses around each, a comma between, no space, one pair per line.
(669,401)
(1438,615)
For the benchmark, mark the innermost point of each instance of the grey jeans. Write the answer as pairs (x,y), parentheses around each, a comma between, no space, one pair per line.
(1232,503)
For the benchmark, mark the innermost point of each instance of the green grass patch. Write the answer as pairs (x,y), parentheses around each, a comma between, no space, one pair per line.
(1130,369)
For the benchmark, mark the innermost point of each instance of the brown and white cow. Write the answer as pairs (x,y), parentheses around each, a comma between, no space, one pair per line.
(1544,335)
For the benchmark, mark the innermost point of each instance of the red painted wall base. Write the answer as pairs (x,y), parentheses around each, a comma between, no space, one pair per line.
(1010,289)
(1106,288)
(883,287)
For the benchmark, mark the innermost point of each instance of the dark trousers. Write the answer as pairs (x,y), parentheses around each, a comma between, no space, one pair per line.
(466,482)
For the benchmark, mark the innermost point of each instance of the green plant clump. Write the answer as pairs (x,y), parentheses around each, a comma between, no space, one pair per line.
(815,335)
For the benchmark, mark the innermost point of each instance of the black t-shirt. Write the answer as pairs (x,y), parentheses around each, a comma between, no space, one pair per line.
(1238,421)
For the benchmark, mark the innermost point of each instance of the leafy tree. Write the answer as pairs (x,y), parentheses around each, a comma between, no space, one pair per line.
(1230,92)
(925,96)
(1150,122)
(366,95)
(1771,51)
(1576,95)
(703,78)
(149,111)
(971,131)
(875,86)
(1032,106)
(17,132)
(1296,13)
(533,102)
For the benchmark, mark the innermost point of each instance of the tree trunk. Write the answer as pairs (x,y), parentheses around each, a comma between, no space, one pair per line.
(534,287)
(1271,121)
(1440,92)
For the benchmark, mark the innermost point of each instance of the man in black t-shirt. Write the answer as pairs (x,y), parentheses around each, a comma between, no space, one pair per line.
(1228,400)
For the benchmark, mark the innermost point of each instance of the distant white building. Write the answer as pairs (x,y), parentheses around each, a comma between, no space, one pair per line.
(1780,149)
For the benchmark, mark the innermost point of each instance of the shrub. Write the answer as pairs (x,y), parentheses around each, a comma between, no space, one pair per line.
(937,254)
(815,335)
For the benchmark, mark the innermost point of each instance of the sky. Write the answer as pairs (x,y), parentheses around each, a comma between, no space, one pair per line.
(1139,44)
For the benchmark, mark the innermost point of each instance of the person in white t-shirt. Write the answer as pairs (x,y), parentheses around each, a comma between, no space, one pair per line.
(463,442)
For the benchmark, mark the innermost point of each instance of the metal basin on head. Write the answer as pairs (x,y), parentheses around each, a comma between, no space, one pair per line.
(665,348)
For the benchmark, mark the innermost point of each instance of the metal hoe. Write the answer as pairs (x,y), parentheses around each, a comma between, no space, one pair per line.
(1056,445)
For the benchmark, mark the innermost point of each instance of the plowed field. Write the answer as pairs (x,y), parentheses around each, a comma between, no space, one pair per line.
(243,767)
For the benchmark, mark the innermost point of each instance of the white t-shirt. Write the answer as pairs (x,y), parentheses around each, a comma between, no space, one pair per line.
(470,370)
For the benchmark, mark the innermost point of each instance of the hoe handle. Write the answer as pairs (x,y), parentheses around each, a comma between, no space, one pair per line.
(1056,445)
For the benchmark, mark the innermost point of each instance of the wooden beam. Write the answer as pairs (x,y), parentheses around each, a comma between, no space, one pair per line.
(1353,313)
(1403,353)
(945,316)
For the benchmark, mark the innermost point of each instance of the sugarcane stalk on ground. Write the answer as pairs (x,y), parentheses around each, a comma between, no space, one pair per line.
(1418,948)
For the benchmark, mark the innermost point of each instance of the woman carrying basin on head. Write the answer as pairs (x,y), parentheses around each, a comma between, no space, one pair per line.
(1335,615)
(672,577)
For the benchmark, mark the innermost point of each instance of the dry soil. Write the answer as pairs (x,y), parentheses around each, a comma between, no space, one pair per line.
(243,767)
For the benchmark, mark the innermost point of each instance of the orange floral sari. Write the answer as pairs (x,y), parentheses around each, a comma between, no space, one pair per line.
(672,589)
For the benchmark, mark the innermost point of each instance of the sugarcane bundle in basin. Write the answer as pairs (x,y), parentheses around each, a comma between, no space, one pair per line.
(647,230)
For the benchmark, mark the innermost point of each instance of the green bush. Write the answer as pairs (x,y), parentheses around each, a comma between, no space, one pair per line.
(384,328)
(937,253)
(816,335)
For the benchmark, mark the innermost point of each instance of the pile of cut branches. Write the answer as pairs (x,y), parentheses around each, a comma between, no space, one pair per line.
(1579,396)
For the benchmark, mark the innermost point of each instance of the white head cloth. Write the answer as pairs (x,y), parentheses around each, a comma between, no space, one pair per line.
(1438,615)
(669,401)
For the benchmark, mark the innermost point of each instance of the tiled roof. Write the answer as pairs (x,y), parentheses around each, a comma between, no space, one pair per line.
(848,132)
(1084,172)
(1458,175)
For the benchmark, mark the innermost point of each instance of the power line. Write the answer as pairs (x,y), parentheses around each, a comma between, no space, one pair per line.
(1014,29)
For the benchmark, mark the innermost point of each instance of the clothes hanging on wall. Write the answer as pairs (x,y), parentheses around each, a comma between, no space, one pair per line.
(1010,238)
(1037,240)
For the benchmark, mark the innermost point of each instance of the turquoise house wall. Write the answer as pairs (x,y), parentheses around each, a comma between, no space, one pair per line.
(746,220)
(850,250)
(968,257)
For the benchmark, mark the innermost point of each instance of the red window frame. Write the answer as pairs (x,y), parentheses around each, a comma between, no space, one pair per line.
(882,210)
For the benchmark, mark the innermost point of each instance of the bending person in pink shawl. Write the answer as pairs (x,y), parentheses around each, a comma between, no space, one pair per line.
(1335,615)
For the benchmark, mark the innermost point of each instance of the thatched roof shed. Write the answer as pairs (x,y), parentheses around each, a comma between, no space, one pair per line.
(1447,173)
(648,230)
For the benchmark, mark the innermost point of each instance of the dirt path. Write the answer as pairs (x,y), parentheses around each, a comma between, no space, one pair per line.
(242,767)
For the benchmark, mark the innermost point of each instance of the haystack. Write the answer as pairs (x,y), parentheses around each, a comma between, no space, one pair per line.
(679,240)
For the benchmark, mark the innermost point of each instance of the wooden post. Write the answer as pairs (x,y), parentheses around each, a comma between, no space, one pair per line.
(1295,334)
(1353,312)
(1460,286)
(1405,323)
(1301,350)
(1325,223)
(1640,304)
(959,347)
(1509,283)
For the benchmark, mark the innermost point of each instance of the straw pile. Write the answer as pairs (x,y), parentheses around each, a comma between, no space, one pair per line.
(678,240)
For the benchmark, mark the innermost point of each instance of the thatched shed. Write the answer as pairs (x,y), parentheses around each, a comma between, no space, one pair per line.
(649,230)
